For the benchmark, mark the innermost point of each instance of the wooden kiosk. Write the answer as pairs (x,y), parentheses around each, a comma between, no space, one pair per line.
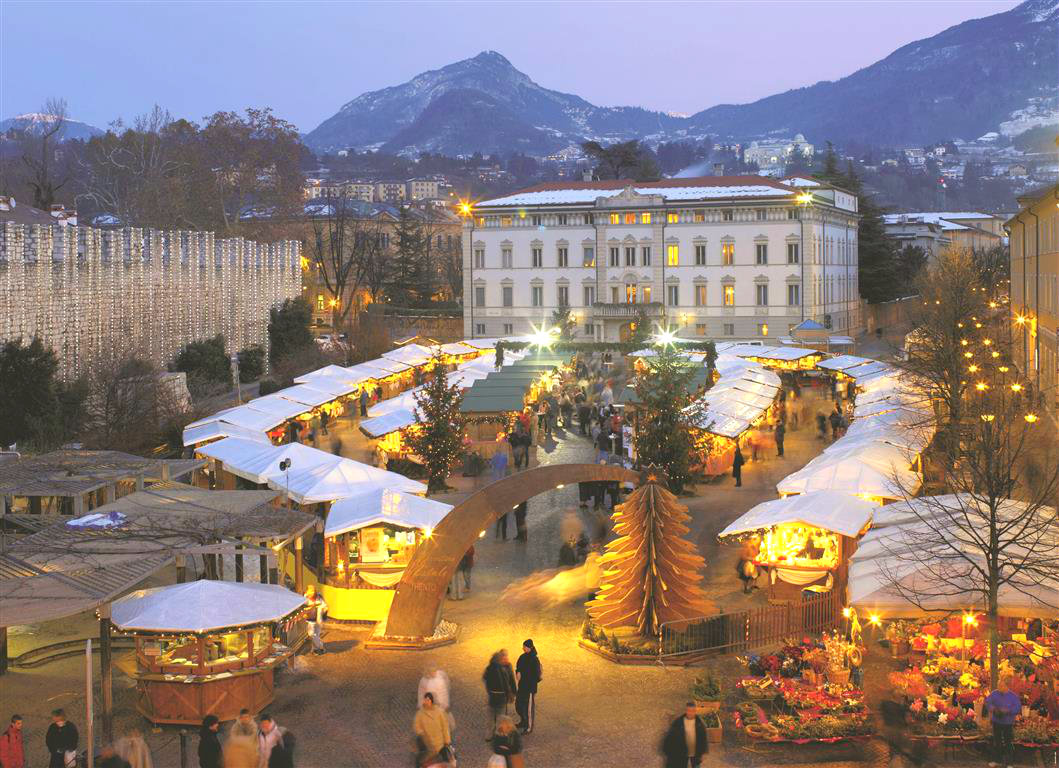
(208,647)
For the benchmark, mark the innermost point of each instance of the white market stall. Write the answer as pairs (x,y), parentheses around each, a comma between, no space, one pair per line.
(369,540)
(339,478)
(853,476)
(208,647)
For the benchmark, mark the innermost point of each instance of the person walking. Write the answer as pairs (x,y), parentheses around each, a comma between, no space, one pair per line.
(499,463)
(521,532)
(364,398)
(821,425)
(836,421)
(133,750)
(244,727)
(501,526)
(210,755)
(514,440)
(603,446)
(465,566)
(1003,705)
(267,738)
(685,741)
(528,675)
(431,727)
(507,743)
(315,612)
(781,432)
(240,753)
(61,740)
(584,412)
(500,687)
(737,467)
(12,751)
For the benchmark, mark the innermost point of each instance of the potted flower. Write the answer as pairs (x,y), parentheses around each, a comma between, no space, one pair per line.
(712,721)
(706,691)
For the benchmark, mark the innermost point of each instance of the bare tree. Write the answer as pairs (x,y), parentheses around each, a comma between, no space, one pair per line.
(39,157)
(993,538)
(950,300)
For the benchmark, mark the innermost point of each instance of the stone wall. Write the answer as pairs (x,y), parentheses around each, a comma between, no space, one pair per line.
(89,292)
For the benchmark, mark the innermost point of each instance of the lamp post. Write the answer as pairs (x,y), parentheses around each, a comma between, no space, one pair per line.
(284,467)
(234,360)
(467,212)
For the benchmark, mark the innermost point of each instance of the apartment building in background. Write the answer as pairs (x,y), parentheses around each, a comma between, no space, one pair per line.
(937,231)
(1034,253)
(740,257)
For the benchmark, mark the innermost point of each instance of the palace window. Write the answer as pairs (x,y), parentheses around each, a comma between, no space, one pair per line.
(630,293)
(479,328)
(479,295)
(615,218)
(647,294)
(760,214)
(537,293)
(508,294)
(563,295)
(509,328)
(674,295)
(630,257)
(761,253)
(505,258)
(645,218)
(728,215)
(588,257)
(762,293)
(700,295)
(673,255)
(479,258)
(700,255)
(590,295)
(729,329)
(672,217)
(563,257)
(794,295)
(729,295)
(700,216)
(727,254)
(614,255)
(630,218)
(538,257)
(700,329)
(645,256)
(793,256)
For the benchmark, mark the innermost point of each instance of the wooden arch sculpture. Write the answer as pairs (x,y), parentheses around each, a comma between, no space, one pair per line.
(416,608)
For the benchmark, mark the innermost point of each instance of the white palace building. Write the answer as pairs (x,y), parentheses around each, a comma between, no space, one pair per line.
(723,257)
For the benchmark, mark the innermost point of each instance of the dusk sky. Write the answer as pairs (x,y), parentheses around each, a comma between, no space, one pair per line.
(306,59)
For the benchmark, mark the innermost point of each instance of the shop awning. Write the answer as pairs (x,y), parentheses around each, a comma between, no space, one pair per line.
(203,606)
(403,402)
(258,463)
(769,352)
(243,416)
(829,510)
(341,478)
(335,372)
(212,430)
(387,507)
(865,370)
(410,354)
(280,407)
(306,394)
(852,475)
(458,348)
(391,421)
(842,362)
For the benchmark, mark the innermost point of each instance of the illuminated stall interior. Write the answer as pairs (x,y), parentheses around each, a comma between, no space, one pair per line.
(369,539)
(803,542)
(208,647)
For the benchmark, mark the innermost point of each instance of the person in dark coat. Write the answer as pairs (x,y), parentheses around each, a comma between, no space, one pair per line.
(282,754)
(507,742)
(210,743)
(500,687)
(584,413)
(60,738)
(521,533)
(364,398)
(528,674)
(836,421)
(685,741)
(781,432)
(737,467)
(821,425)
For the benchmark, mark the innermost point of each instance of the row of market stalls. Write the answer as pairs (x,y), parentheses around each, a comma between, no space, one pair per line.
(327,392)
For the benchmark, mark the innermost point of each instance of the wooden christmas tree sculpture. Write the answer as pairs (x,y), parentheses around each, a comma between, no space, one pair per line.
(651,573)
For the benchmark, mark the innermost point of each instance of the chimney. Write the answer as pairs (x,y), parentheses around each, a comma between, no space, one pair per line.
(718,169)
(6,203)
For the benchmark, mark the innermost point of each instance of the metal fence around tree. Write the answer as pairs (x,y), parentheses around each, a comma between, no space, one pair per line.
(741,631)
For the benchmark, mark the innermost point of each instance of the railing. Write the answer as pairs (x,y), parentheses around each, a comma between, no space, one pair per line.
(631,311)
(740,631)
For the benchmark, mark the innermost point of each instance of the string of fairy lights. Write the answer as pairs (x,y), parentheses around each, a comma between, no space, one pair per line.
(87,292)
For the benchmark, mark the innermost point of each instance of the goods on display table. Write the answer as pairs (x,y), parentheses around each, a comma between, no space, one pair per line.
(947,679)
(807,688)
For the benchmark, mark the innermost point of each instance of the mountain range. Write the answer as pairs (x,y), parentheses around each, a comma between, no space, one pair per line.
(996,73)
(35,123)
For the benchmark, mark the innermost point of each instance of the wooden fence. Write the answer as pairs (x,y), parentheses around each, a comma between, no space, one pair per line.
(741,631)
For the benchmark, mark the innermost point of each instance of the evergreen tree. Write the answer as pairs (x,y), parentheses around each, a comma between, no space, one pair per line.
(651,574)
(663,438)
(562,320)
(830,173)
(438,434)
(879,275)
(406,269)
(29,392)
(288,328)
(641,327)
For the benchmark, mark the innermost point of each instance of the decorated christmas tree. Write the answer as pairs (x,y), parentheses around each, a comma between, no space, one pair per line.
(651,573)
(438,433)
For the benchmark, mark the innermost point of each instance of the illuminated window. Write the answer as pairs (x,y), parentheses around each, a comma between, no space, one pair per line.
(615,218)
(673,255)
(645,218)
(700,216)
(320,302)
(673,218)
(630,293)
(505,221)
(630,218)
(700,295)
(588,258)
(762,329)
(700,329)
(727,254)
(647,294)
(729,295)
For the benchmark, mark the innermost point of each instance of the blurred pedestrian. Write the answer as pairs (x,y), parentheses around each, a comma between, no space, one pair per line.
(12,751)
(821,425)
(528,675)
(737,466)
(685,741)
(501,527)
(315,612)
(61,740)
(507,743)
(521,532)
(244,727)
(133,749)
(781,432)
(210,755)
(268,737)
(431,728)
(1003,706)
(465,566)
(499,463)
(240,753)
(500,687)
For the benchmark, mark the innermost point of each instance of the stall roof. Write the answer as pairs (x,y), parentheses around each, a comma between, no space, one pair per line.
(829,510)
(458,348)
(70,472)
(403,402)
(769,352)
(391,421)
(279,407)
(212,430)
(331,372)
(384,506)
(384,365)
(491,402)
(411,354)
(243,416)
(859,372)
(341,478)
(204,606)
(842,362)
(852,475)
(306,394)
(260,463)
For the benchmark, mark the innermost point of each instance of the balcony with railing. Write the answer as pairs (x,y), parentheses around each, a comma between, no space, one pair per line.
(627,311)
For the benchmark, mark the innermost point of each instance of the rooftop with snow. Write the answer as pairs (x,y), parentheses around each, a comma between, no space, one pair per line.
(703,188)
